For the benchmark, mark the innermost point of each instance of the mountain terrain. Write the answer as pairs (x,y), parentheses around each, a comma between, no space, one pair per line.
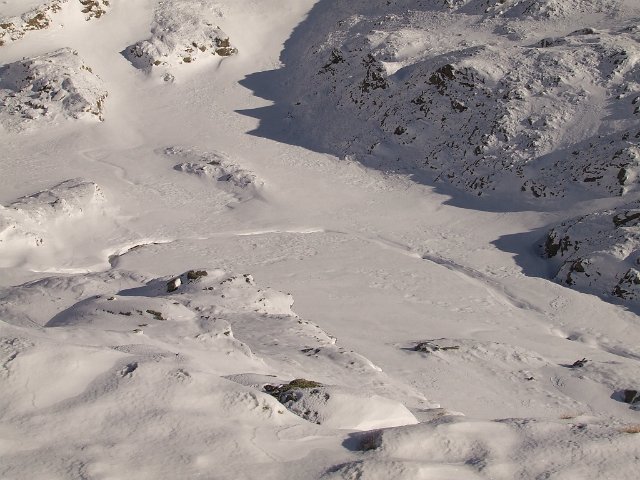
(319,239)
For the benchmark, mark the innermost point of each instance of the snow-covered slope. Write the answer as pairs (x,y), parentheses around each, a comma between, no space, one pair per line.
(490,96)
(149,262)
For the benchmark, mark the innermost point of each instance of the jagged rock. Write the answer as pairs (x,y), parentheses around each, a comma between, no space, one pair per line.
(579,363)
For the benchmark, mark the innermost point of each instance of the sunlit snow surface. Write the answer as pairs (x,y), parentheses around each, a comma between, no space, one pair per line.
(241,273)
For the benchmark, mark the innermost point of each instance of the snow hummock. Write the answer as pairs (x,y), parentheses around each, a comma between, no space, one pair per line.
(29,223)
(47,87)
(454,447)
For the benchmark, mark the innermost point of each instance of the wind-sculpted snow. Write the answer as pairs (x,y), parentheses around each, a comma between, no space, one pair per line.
(455,447)
(182,32)
(30,222)
(48,87)
(209,305)
(135,335)
(473,106)
(333,406)
(70,225)
(599,252)
(145,326)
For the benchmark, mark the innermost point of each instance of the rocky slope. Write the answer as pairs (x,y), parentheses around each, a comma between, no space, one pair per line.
(599,252)
(539,97)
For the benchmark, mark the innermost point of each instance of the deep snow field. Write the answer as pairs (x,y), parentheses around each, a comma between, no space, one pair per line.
(272,239)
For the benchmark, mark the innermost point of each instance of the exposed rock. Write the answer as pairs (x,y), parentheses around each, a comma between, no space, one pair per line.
(339,407)
(94,8)
(630,396)
(430,346)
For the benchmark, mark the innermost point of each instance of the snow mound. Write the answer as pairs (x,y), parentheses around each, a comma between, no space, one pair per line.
(182,32)
(32,222)
(330,405)
(56,293)
(340,407)
(44,88)
(40,17)
(457,447)
(487,117)
(215,166)
(209,312)
(263,319)
(69,227)
(211,305)
(599,253)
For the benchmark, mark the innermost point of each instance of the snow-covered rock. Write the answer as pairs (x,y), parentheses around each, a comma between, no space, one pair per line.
(332,406)
(215,166)
(342,407)
(542,115)
(182,32)
(38,18)
(599,252)
(47,87)
(41,16)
